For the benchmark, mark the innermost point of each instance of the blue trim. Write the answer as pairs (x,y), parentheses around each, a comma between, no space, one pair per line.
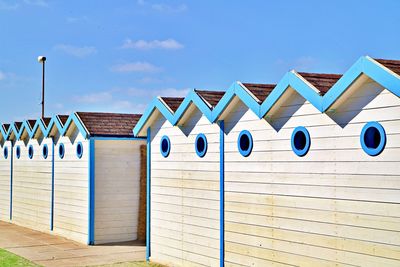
(74,118)
(61,150)
(18,152)
(369,150)
(165,152)
(245,152)
(222,193)
(91,191)
(295,141)
(5,152)
(11,181)
(45,151)
(203,152)
(52,184)
(30,151)
(148,195)
(79,154)
(365,65)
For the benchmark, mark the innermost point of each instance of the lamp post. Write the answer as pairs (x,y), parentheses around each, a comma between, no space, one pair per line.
(42,59)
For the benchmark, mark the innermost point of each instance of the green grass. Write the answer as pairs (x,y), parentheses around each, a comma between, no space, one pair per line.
(8,259)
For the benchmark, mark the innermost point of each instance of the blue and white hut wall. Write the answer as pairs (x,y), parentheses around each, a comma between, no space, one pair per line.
(307,172)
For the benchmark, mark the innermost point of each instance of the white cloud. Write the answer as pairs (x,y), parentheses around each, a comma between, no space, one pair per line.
(42,3)
(2,75)
(140,92)
(76,51)
(77,19)
(135,67)
(8,5)
(169,8)
(146,45)
(94,98)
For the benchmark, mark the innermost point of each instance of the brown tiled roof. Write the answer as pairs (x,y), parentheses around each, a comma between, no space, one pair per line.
(63,118)
(259,90)
(6,126)
(18,125)
(211,97)
(31,123)
(46,121)
(173,102)
(109,124)
(393,65)
(323,82)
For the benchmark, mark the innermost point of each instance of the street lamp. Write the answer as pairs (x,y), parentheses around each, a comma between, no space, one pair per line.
(42,59)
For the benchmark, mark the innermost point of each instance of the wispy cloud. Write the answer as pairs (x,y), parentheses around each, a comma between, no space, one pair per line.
(140,92)
(162,7)
(304,63)
(2,75)
(76,51)
(42,3)
(12,5)
(77,19)
(8,5)
(169,44)
(135,67)
(94,98)
(169,8)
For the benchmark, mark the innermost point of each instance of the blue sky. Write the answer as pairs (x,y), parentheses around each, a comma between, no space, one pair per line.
(117,55)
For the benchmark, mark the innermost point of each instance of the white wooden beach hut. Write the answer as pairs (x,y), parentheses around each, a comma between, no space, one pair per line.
(306,172)
(77,176)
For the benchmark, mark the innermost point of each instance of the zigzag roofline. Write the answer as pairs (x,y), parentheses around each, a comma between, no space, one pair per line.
(322,100)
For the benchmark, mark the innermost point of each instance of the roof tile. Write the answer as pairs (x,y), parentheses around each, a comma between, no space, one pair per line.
(211,97)
(259,90)
(393,65)
(173,102)
(322,81)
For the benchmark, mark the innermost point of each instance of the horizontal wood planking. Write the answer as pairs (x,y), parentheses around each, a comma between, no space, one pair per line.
(117,189)
(71,189)
(335,206)
(5,181)
(32,186)
(185,204)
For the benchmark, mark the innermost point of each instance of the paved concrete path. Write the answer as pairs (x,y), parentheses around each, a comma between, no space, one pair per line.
(49,250)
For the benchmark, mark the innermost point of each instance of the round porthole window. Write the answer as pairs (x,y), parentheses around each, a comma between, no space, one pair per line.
(30,151)
(45,151)
(5,152)
(165,146)
(373,138)
(61,151)
(245,143)
(301,141)
(79,150)
(201,145)
(18,152)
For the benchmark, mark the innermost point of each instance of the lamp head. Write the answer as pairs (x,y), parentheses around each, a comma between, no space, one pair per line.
(41,59)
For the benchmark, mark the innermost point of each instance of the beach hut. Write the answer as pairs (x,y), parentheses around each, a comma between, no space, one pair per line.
(77,176)
(304,172)
(5,173)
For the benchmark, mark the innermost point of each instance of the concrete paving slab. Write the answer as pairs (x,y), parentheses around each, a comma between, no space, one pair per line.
(50,250)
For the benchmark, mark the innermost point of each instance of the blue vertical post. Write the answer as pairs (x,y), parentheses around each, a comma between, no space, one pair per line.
(222,193)
(91,199)
(11,179)
(52,186)
(148,192)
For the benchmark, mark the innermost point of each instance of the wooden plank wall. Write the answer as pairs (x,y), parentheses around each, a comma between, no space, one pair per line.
(185,195)
(5,169)
(117,190)
(336,206)
(71,190)
(32,186)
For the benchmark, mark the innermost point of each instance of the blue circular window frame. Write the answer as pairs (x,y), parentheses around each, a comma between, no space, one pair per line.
(166,152)
(373,151)
(45,151)
(245,152)
(203,152)
(5,152)
(31,151)
(79,154)
(61,150)
(307,145)
(18,152)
